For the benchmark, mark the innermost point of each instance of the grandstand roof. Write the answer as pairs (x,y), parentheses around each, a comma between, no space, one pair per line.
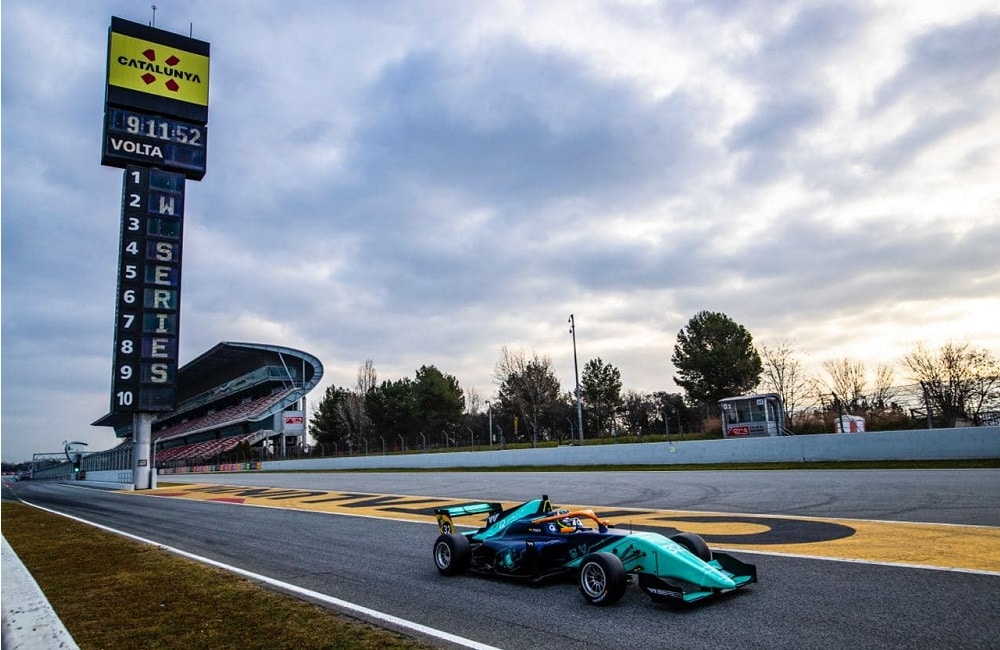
(226,361)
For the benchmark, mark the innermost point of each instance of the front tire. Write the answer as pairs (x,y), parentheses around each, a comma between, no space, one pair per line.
(695,544)
(452,554)
(602,579)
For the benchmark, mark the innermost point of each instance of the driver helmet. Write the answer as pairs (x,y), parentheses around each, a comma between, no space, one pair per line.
(569,524)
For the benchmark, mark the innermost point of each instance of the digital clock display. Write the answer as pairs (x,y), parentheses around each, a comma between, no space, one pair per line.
(159,128)
(133,138)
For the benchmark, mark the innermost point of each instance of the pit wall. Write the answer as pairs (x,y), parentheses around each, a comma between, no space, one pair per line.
(109,476)
(922,444)
(202,469)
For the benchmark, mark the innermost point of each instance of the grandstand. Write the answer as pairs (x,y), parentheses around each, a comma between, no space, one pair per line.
(245,395)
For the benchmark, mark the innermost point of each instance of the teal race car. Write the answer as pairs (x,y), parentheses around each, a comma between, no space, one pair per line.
(536,542)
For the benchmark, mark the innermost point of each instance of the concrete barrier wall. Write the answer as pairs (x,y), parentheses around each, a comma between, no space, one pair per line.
(109,476)
(921,444)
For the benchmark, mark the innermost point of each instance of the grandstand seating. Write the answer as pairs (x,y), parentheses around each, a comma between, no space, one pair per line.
(232,394)
(247,411)
(202,450)
(232,415)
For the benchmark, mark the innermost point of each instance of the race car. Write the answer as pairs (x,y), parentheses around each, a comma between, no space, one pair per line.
(536,542)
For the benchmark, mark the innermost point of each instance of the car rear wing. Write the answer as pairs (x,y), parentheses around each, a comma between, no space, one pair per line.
(445,515)
(496,517)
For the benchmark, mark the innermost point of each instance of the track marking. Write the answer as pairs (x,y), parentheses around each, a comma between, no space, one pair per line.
(370,614)
(906,544)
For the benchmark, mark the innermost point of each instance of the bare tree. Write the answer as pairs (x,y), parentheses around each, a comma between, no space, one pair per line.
(510,362)
(473,405)
(367,378)
(847,381)
(885,392)
(507,372)
(473,400)
(352,408)
(783,375)
(527,387)
(959,380)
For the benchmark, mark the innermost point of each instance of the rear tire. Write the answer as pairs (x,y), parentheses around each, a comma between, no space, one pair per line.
(602,579)
(452,554)
(695,544)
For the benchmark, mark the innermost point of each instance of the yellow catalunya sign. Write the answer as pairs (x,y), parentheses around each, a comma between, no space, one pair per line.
(156,69)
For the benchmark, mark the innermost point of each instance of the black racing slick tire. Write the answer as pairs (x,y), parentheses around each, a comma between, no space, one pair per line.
(452,554)
(695,544)
(602,579)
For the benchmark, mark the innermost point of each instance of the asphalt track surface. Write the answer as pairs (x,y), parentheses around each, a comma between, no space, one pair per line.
(366,538)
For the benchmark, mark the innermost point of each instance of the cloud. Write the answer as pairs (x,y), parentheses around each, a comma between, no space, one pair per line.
(521,129)
(948,64)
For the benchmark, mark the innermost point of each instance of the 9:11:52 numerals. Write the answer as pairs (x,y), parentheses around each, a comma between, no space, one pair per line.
(163,130)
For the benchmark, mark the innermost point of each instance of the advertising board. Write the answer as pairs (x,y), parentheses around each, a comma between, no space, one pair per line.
(157,72)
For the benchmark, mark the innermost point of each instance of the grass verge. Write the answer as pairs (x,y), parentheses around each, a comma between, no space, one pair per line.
(112,592)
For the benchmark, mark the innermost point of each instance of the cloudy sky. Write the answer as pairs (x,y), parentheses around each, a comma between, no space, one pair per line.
(424,182)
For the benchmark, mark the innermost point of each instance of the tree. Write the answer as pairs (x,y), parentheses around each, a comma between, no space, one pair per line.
(959,381)
(715,358)
(847,382)
(474,419)
(473,401)
(414,412)
(367,378)
(327,425)
(601,386)
(884,389)
(352,410)
(783,374)
(671,413)
(438,404)
(390,408)
(528,388)
(641,413)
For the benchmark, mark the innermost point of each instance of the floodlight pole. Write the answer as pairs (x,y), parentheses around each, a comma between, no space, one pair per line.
(576,372)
